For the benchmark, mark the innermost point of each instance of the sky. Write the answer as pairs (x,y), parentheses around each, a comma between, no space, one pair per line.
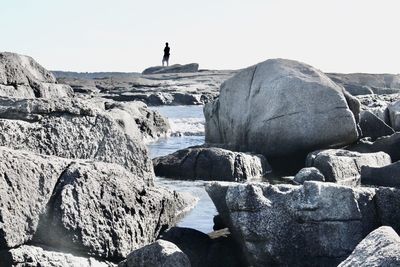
(128,35)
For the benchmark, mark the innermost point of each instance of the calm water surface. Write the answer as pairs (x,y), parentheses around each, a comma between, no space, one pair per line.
(189,122)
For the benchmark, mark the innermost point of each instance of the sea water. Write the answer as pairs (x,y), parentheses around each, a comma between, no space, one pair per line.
(187,125)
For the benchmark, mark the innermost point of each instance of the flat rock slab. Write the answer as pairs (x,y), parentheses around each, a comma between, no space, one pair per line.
(177,68)
(211,163)
(343,166)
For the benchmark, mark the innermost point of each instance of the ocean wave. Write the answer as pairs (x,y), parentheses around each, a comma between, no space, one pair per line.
(187,126)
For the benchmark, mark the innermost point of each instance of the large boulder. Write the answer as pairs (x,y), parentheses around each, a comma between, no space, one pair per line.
(388,206)
(316,224)
(176,68)
(101,209)
(72,128)
(159,253)
(380,248)
(32,256)
(211,163)
(343,166)
(21,76)
(394,114)
(92,208)
(280,108)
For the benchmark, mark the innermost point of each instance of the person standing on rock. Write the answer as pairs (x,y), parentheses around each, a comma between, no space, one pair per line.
(166,55)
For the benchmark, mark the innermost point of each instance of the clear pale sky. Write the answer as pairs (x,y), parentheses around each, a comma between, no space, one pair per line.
(129,35)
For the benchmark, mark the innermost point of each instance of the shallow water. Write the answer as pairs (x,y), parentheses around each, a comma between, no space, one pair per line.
(189,121)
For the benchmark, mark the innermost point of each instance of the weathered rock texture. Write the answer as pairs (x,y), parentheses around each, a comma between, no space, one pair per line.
(380,248)
(394,115)
(72,128)
(22,76)
(92,208)
(31,256)
(316,224)
(159,253)
(103,198)
(26,185)
(388,175)
(211,163)
(177,68)
(378,105)
(343,166)
(279,108)
(309,174)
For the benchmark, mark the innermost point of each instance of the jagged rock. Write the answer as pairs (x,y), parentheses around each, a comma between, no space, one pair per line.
(72,128)
(101,209)
(21,76)
(316,224)
(394,114)
(214,250)
(378,105)
(380,248)
(388,175)
(210,163)
(365,83)
(159,253)
(32,256)
(176,68)
(309,174)
(280,108)
(388,144)
(133,115)
(343,166)
(372,126)
(26,184)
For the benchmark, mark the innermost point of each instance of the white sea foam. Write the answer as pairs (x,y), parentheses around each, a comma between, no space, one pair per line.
(187,126)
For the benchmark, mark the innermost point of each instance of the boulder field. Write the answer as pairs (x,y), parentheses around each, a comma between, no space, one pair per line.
(76,181)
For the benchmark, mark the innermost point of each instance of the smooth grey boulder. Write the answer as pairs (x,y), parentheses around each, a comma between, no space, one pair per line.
(211,163)
(176,68)
(159,253)
(343,166)
(372,126)
(72,128)
(280,108)
(378,105)
(309,174)
(26,185)
(21,76)
(394,114)
(316,224)
(388,144)
(32,256)
(388,175)
(103,210)
(381,248)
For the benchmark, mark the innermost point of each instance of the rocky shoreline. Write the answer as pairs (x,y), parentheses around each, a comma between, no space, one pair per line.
(77,183)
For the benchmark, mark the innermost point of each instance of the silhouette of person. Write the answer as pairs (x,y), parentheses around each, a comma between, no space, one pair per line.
(166,55)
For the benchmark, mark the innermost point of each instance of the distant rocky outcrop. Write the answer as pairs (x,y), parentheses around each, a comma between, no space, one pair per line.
(21,76)
(365,83)
(211,163)
(281,108)
(176,68)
